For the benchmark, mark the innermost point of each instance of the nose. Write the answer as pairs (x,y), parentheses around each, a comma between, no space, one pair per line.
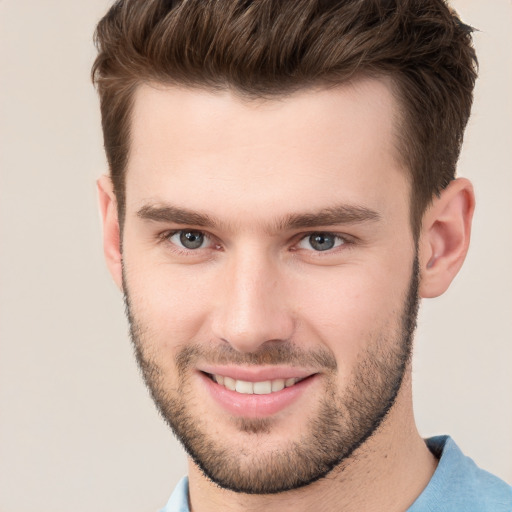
(252,307)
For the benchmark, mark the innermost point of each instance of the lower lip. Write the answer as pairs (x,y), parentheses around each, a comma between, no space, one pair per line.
(255,406)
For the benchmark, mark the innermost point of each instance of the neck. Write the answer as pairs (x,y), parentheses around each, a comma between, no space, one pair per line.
(388,472)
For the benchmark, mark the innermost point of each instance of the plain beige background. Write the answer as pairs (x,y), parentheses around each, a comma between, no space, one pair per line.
(77,428)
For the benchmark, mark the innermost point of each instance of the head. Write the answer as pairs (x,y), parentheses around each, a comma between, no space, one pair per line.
(282,181)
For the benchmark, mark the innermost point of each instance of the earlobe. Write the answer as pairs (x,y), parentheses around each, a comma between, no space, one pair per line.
(111,228)
(445,235)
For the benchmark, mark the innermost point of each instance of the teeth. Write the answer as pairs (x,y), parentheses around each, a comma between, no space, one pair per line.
(229,383)
(244,387)
(277,384)
(257,388)
(262,388)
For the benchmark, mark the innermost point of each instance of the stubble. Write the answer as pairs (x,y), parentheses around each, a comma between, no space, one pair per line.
(343,422)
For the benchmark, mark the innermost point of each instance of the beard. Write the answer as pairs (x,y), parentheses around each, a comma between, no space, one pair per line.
(343,422)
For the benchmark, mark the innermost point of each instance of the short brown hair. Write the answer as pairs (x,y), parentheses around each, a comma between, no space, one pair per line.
(266,48)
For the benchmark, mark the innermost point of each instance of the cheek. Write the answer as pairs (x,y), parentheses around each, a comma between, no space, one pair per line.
(168,302)
(358,307)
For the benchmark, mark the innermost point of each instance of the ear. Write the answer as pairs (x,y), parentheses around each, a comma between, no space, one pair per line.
(111,229)
(444,238)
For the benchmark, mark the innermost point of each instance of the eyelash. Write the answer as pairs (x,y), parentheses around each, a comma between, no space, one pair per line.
(166,236)
(346,242)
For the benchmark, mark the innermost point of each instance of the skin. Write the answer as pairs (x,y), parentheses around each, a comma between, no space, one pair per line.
(248,165)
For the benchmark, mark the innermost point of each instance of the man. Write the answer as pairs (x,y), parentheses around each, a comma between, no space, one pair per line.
(282,193)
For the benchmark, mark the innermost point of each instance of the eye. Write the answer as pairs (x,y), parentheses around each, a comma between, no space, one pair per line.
(321,241)
(189,239)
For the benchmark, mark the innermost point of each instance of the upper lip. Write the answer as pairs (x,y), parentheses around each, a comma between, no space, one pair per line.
(257,373)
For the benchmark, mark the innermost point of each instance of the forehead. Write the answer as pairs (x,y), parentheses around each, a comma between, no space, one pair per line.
(202,149)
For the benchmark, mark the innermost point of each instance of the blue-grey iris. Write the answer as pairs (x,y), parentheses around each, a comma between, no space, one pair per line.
(191,239)
(322,241)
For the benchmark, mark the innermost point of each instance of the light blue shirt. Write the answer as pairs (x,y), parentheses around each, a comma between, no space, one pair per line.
(458,485)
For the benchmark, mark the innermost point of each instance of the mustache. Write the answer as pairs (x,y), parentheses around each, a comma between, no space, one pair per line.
(276,353)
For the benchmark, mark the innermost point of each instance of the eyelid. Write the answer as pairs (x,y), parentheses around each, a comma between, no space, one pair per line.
(347,240)
(165,237)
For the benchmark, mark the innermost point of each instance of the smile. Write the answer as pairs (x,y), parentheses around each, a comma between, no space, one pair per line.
(256,392)
(264,387)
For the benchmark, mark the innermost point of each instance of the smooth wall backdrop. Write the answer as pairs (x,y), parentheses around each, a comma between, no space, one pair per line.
(77,428)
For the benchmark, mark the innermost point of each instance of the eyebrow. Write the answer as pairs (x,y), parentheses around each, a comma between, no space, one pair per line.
(175,215)
(341,214)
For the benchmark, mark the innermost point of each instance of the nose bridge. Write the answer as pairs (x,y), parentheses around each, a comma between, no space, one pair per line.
(253,308)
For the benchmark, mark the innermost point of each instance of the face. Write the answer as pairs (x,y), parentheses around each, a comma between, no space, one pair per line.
(270,275)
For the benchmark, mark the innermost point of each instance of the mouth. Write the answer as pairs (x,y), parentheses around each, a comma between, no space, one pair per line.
(256,394)
(264,387)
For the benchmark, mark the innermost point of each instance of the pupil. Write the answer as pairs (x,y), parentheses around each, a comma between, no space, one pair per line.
(191,239)
(321,242)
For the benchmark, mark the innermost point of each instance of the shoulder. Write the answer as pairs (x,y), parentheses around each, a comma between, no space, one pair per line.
(458,484)
(178,502)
